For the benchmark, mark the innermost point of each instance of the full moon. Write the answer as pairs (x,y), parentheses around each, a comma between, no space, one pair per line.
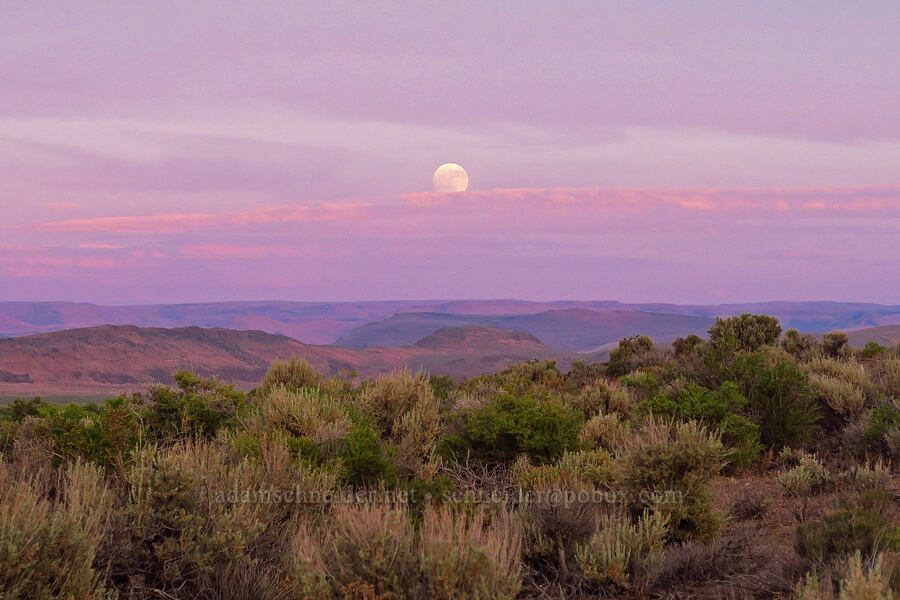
(450,177)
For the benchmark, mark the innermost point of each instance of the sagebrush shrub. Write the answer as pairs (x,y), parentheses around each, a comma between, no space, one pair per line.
(195,512)
(304,574)
(604,431)
(841,396)
(417,434)
(601,397)
(593,467)
(303,412)
(522,376)
(559,512)
(666,467)
(622,554)
(808,478)
(886,373)
(374,546)
(463,556)
(292,375)
(849,370)
(739,564)
(752,503)
(719,409)
(390,397)
(863,582)
(875,476)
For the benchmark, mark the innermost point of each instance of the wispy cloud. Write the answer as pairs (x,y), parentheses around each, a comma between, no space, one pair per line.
(61,205)
(183,222)
(230,251)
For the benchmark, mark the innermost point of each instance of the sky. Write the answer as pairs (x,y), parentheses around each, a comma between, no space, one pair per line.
(695,152)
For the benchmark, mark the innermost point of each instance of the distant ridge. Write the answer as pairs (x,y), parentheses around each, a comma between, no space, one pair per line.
(570,329)
(326,322)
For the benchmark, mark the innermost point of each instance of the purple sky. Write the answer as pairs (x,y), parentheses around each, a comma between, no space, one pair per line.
(641,151)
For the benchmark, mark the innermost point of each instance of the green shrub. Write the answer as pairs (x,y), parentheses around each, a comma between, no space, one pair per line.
(835,343)
(103,435)
(797,345)
(851,529)
(642,385)
(747,332)
(19,409)
(718,409)
(441,386)
(780,400)
(198,407)
(510,425)
(872,350)
(687,345)
(582,374)
(365,460)
(632,351)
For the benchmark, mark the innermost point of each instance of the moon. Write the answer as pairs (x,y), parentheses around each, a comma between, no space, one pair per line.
(450,177)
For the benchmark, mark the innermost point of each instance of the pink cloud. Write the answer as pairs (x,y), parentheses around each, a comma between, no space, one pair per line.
(658,244)
(513,209)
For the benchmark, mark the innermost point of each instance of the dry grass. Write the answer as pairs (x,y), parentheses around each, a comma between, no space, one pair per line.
(48,545)
(463,556)
(374,547)
(865,580)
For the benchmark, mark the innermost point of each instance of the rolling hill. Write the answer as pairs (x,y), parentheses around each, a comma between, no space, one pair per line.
(886,335)
(113,358)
